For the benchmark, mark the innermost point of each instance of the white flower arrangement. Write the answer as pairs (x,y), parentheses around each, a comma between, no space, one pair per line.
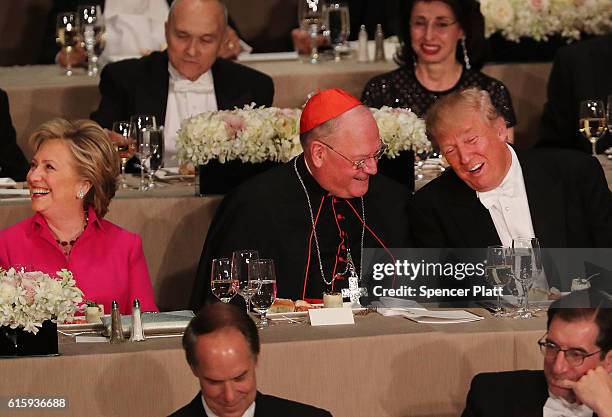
(539,19)
(272,134)
(27,299)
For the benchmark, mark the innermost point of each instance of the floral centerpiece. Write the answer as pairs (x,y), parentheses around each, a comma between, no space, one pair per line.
(272,134)
(539,19)
(28,299)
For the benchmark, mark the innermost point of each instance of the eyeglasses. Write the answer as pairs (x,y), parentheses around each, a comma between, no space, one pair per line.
(439,26)
(362,162)
(574,357)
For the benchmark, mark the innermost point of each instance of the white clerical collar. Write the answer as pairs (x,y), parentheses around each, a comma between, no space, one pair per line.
(204,84)
(250,412)
(559,407)
(507,186)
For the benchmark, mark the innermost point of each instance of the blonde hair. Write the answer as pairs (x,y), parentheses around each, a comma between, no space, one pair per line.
(95,159)
(474,99)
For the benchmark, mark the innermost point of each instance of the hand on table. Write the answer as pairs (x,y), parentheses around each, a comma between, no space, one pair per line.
(230,47)
(78,57)
(301,40)
(594,389)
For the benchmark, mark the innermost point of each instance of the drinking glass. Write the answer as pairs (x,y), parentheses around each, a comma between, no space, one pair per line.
(338,24)
(140,126)
(526,265)
(67,36)
(92,28)
(156,158)
(592,123)
(498,272)
(125,147)
(240,272)
(224,287)
(261,273)
(310,16)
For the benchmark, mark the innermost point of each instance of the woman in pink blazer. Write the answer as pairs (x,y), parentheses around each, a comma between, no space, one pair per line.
(72,179)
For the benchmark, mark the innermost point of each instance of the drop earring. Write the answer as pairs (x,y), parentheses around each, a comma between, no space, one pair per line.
(466,58)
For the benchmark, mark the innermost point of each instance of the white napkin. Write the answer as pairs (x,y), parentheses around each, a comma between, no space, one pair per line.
(422,315)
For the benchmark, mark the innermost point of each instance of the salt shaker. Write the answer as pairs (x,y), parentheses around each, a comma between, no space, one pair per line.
(362,45)
(136,331)
(116,335)
(379,41)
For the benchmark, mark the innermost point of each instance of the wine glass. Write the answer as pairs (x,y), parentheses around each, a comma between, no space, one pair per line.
(67,35)
(310,16)
(338,24)
(261,274)
(92,28)
(140,127)
(240,272)
(526,265)
(592,121)
(125,147)
(224,287)
(498,272)
(156,157)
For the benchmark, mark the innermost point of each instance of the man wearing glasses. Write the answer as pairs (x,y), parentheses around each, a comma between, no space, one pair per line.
(576,380)
(314,215)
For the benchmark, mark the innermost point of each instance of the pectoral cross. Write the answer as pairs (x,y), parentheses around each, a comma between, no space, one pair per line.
(353,292)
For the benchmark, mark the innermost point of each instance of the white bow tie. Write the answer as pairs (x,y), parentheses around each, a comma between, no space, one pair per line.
(558,407)
(489,198)
(186,86)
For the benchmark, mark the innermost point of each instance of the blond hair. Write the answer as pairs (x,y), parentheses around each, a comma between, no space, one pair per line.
(474,99)
(95,159)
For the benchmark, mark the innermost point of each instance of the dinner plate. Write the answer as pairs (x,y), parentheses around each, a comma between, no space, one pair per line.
(80,326)
(294,314)
(270,56)
(511,299)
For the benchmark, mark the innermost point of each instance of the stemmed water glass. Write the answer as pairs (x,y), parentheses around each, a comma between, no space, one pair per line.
(67,36)
(156,157)
(592,121)
(140,127)
(261,274)
(338,24)
(310,16)
(125,146)
(223,286)
(498,272)
(240,272)
(92,28)
(527,265)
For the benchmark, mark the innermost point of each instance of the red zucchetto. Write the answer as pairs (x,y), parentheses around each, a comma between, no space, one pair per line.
(324,106)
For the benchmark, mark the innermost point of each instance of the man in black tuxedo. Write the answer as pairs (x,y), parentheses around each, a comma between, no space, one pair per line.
(494,193)
(221,345)
(12,162)
(576,380)
(185,79)
(579,72)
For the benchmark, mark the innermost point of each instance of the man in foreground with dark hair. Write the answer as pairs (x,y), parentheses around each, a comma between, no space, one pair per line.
(576,380)
(221,346)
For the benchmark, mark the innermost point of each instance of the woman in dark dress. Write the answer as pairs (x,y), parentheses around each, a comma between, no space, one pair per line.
(443,51)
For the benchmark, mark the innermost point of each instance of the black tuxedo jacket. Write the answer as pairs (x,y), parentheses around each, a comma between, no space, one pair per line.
(265,406)
(140,86)
(569,202)
(12,162)
(507,394)
(579,72)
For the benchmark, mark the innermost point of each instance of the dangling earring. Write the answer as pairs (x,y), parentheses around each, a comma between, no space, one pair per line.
(81,194)
(466,58)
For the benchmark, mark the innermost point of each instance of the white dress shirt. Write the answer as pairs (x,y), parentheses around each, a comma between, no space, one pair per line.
(134,26)
(250,412)
(558,407)
(185,99)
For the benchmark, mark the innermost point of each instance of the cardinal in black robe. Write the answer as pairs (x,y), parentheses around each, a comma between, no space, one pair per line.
(332,185)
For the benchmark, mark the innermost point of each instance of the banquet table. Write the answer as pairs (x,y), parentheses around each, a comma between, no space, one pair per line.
(379,367)
(39,93)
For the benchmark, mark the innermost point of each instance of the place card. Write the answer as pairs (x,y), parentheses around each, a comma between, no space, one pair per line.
(330,316)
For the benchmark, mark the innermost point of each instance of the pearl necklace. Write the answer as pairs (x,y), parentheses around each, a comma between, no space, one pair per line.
(314,230)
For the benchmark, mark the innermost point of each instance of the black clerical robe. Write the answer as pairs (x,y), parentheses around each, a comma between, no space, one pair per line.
(270,214)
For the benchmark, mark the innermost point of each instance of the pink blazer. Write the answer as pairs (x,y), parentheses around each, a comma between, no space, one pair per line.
(107,261)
